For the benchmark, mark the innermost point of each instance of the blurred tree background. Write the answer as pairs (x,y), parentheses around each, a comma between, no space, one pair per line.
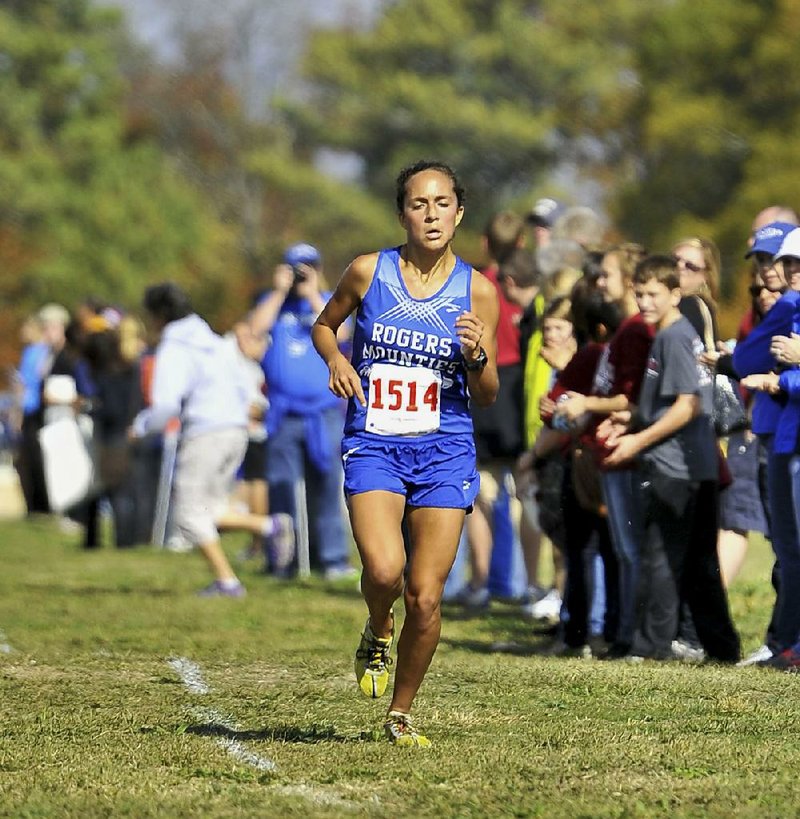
(120,166)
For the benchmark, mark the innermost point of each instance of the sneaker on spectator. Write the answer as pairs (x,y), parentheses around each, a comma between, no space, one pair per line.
(279,546)
(785,661)
(617,651)
(220,589)
(178,544)
(561,649)
(533,594)
(598,645)
(548,608)
(633,659)
(472,599)
(250,552)
(400,731)
(340,573)
(68,526)
(756,657)
(687,653)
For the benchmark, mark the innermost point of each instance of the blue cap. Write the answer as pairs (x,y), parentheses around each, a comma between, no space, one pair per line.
(302,253)
(768,239)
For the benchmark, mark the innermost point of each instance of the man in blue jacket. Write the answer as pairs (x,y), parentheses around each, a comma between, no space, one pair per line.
(775,421)
(304,419)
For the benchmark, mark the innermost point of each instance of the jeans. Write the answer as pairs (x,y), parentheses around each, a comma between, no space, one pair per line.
(679,561)
(597,573)
(582,530)
(783,477)
(702,589)
(622,496)
(669,508)
(288,463)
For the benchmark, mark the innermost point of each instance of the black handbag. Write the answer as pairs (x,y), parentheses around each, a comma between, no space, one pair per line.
(729,414)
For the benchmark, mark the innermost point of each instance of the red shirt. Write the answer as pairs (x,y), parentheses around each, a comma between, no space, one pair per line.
(508,351)
(628,351)
(578,376)
(616,370)
(623,372)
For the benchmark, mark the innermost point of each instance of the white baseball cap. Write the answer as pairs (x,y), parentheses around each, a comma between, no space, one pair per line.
(790,246)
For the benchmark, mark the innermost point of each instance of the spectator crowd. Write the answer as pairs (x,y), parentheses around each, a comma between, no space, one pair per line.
(636,449)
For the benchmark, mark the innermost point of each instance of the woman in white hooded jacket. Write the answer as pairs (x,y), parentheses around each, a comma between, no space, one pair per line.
(199,380)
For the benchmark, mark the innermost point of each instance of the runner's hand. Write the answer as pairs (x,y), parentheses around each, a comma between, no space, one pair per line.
(344,380)
(469,329)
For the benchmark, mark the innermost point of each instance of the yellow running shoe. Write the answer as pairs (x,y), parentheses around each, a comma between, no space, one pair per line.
(372,663)
(400,731)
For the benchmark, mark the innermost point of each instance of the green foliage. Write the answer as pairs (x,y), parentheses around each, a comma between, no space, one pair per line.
(682,112)
(506,91)
(94,212)
(350,220)
(677,116)
(434,80)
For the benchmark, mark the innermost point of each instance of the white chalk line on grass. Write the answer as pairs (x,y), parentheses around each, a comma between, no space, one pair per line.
(5,646)
(235,748)
(190,674)
(192,677)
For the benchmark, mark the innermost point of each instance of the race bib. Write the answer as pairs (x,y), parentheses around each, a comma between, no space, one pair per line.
(403,400)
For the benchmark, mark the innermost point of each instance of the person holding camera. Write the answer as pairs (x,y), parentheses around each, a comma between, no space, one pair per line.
(304,420)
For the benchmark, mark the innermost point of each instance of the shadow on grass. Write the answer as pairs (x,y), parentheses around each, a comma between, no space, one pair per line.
(332,588)
(282,733)
(508,634)
(337,589)
(504,612)
(91,591)
(519,648)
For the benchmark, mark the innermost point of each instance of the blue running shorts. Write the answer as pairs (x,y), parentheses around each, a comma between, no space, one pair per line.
(439,473)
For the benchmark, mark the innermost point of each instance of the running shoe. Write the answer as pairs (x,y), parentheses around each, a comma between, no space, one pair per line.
(372,662)
(219,589)
(279,546)
(400,731)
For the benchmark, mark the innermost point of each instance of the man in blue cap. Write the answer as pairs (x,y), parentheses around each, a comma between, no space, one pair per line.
(304,420)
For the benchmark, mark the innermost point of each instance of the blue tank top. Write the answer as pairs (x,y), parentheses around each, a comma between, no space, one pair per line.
(396,329)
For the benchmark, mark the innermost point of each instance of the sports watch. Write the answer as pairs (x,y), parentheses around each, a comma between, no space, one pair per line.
(478,364)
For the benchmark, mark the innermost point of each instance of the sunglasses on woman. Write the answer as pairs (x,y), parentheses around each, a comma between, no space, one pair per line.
(695,268)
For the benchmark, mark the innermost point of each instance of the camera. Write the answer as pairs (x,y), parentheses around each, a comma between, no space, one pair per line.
(299,275)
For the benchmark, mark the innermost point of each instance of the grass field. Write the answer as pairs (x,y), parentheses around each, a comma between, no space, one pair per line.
(121,693)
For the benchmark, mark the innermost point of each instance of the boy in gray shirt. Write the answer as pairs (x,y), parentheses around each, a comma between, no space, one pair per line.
(674,441)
